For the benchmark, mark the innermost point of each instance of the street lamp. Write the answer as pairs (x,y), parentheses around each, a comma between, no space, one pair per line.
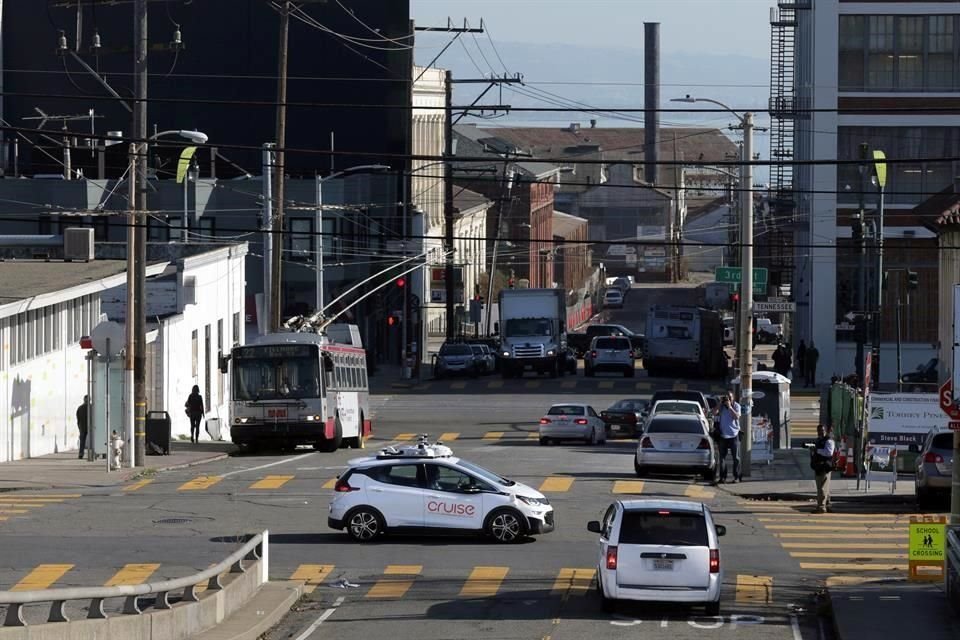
(318,221)
(746,273)
(196,137)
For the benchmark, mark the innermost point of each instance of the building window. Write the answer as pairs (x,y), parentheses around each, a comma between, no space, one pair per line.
(206,229)
(57,336)
(301,238)
(175,229)
(207,348)
(194,351)
(880,53)
(236,328)
(219,354)
(851,53)
(910,52)
(940,58)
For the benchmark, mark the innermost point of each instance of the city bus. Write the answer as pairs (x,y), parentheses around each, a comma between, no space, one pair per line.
(293,388)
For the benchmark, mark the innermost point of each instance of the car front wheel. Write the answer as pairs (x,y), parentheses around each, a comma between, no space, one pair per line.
(506,526)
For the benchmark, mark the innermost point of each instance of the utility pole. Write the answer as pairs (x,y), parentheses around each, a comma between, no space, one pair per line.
(448,202)
(276,288)
(264,321)
(128,377)
(140,242)
(880,170)
(860,236)
(746,292)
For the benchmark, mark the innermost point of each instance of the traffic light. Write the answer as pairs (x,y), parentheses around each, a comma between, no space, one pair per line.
(735,298)
(913,280)
(401,282)
(394,319)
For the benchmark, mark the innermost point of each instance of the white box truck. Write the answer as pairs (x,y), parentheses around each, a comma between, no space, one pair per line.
(533,331)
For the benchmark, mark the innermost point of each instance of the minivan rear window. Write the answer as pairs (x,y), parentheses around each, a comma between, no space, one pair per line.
(612,343)
(677,528)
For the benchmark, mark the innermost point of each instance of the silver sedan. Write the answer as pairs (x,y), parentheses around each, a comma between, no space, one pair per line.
(572,422)
(678,443)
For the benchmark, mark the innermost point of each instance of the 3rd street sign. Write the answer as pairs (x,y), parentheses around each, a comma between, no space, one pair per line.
(735,275)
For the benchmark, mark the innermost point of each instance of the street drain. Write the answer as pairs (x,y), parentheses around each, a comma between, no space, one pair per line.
(173,521)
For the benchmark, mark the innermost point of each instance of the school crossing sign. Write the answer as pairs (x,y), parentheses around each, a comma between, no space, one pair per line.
(927,547)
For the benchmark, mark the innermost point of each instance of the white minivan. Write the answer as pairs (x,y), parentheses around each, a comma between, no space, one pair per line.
(659,551)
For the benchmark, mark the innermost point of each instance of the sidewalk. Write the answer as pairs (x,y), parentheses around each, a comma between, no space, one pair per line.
(65,471)
(892,609)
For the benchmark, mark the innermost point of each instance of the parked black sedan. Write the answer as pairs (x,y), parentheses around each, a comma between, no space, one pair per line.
(923,379)
(623,417)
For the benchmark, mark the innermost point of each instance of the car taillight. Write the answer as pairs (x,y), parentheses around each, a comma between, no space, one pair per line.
(631,353)
(581,421)
(593,354)
(343,486)
(646,443)
(932,457)
(544,420)
(714,560)
(704,444)
(611,557)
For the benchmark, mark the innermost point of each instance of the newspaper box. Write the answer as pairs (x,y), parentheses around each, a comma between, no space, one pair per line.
(762,450)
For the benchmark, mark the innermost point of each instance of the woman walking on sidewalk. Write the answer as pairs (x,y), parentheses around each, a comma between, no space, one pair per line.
(194,407)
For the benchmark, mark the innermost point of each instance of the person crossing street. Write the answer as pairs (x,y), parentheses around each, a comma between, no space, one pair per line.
(821,461)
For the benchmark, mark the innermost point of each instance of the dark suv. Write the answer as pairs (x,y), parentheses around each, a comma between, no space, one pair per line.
(923,378)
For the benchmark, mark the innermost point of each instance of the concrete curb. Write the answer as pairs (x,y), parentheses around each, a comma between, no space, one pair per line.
(264,610)
(185,465)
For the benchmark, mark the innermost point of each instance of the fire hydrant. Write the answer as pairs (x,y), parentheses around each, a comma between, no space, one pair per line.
(116,450)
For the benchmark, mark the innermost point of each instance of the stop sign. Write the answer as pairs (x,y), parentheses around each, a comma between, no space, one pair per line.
(946,400)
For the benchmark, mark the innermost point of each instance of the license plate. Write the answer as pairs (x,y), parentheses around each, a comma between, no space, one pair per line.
(673,444)
(616,427)
(662,564)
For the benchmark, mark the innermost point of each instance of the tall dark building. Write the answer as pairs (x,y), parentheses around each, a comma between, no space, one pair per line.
(353,53)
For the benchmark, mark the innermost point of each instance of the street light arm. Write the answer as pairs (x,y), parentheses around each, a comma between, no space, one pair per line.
(690,99)
(359,167)
(197,137)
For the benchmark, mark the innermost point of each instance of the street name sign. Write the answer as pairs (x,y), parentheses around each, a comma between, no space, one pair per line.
(775,307)
(954,425)
(734,274)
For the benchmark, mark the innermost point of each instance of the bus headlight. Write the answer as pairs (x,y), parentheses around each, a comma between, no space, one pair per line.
(242,420)
(312,418)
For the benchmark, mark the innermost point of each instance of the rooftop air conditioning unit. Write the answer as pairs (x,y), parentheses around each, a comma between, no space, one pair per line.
(78,245)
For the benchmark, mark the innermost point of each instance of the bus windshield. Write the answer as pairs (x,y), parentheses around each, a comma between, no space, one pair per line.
(276,372)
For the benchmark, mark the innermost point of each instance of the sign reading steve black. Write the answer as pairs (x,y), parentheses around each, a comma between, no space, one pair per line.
(275,351)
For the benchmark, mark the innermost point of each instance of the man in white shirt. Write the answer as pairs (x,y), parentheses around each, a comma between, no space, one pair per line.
(728,412)
(822,463)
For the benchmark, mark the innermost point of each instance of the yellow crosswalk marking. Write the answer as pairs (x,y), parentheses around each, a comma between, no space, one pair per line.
(754,589)
(312,575)
(12,505)
(531,384)
(569,580)
(679,386)
(833,521)
(556,484)
(831,518)
(136,486)
(605,384)
(13,512)
(843,545)
(43,496)
(449,437)
(132,574)
(271,482)
(495,384)
(533,435)
(493,435)
(568,384)
(42,577)
(698,492)
(398,581)
(824,527)
(2,518)
(484,582)
(404,436)
(825,554)
(423,387)
(628,486)
(839,581)
(820,535)
(642,386)
(199,483)
(329,484)
(460,384)
(20,499)
(841,566)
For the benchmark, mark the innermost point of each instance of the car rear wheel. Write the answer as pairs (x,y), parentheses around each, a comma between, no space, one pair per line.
(364,524)
(640,471)
(713,608)
(505,526)
(545,442)
(607,605)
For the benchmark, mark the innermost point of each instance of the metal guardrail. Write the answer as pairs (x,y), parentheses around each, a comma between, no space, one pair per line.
(16,600)
(951,570)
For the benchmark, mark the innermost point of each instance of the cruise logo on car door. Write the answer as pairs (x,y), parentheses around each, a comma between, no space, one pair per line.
(451,508)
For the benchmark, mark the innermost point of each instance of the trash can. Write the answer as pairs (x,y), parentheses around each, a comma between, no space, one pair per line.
(158,433)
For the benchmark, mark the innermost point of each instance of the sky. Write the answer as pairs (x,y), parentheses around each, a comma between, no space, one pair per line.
(740,27)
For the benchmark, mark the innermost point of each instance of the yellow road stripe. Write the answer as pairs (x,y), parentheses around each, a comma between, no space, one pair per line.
(11,505)
(837,581)
(556,484)
(312,575)
(404,436)
(835,521)
(43,496)
(329,484)
(394,587)
(13,512)
(532,384)
(271,482)
(835,566)
(754,589)
(696,491)
(132,574)
(824,527)
(568,384)
(495,384)
(642,386)
(484,582)
(857,536)
(533,435)
(573,580)
(8,499)
(137,485)
(458,385)
(449,437)
(843,545)
(2,518)
(42,577)
(493,435)
(423,387)
(605,384)
(199,483)
(628,486)
(679,386)
(871,556)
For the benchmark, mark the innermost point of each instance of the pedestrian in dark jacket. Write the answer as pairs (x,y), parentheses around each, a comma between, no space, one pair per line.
(194,407)
(801,359)
(83,423)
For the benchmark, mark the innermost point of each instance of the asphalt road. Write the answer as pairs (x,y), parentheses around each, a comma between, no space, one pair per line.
(182,521)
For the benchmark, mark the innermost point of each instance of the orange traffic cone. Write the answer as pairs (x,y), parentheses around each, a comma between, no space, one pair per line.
(850,468)
(842,448)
